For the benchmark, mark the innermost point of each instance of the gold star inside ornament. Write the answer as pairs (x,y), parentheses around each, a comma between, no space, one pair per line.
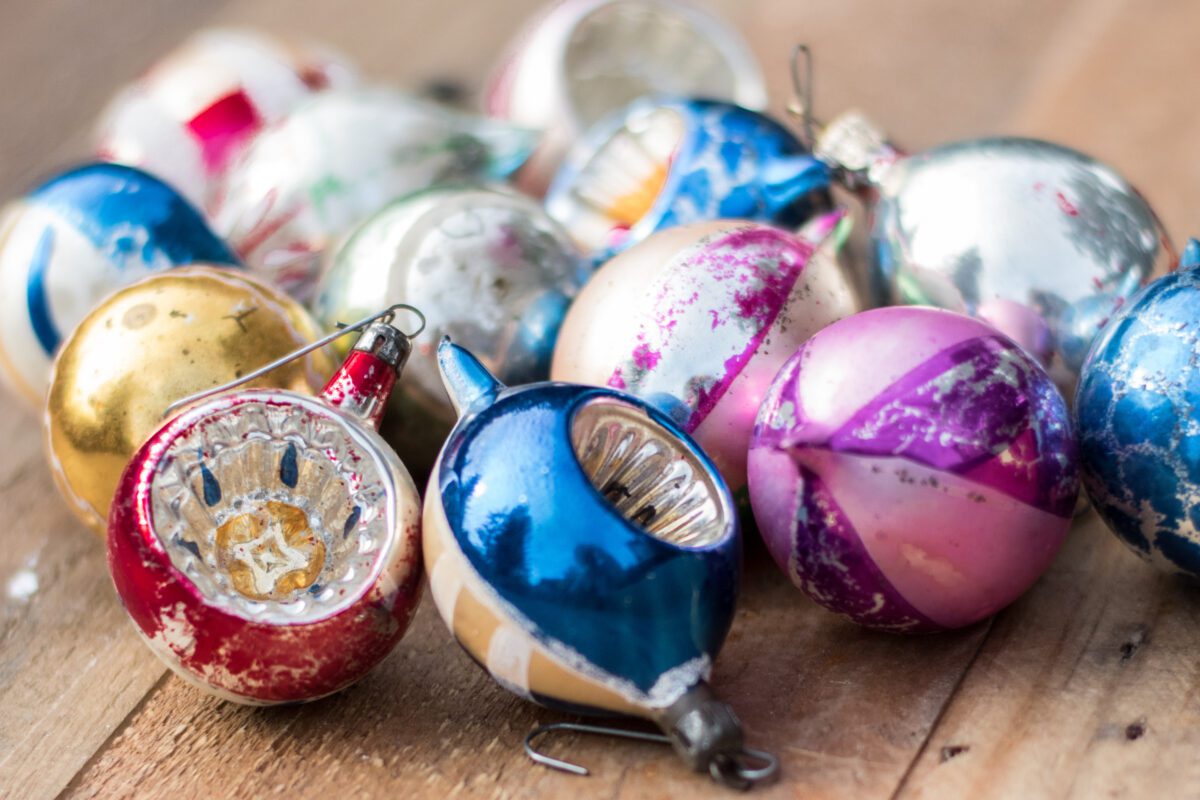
(271,552)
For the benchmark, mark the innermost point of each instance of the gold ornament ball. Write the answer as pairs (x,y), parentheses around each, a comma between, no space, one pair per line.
(151,344)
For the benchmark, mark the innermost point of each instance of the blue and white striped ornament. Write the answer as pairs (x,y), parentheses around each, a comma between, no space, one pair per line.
(75,239)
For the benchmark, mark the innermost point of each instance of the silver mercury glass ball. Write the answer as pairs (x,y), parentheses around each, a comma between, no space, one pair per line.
(1039,240)
(486,266)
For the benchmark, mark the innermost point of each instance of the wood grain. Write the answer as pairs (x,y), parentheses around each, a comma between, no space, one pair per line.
(71,667)
(844,709)
(1086,687)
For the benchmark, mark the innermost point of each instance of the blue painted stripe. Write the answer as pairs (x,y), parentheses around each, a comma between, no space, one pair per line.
(212,489)
(289,471)
(35,294)
(351,521)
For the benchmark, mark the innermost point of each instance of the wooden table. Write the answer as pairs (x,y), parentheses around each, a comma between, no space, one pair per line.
(1086,687)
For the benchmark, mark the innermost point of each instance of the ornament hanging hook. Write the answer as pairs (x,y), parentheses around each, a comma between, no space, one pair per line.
(802,89)
(737,770)
(577,727)
(386,315)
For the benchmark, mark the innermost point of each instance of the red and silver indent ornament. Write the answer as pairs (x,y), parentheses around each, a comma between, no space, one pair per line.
(267,544)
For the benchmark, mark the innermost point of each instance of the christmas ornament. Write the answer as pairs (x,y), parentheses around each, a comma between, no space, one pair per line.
(202,104)
(149,344)
(1040,240)
(1137,415)
(665,162)
(698,319)
(74,239)
(561,519)
(485,265)
(266,543)
(339,158)
(913,469)
(580,60)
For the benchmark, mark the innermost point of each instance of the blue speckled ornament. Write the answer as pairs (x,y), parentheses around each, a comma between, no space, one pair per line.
(662,162)
(1138,413)
(75,239)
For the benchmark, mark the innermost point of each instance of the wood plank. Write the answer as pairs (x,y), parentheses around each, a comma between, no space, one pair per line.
(71,666)
(1129,99)
(1089,685)
(843,708)
(927,71)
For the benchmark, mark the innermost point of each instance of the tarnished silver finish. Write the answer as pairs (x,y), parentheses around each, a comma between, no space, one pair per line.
(580,60)
(1038,239)
(484,264)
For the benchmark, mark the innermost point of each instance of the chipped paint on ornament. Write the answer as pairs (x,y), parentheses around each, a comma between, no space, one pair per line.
(698,319)
(912,469)
(337,159)
(267,545)
(1138,416)
(664,162)
(563,518)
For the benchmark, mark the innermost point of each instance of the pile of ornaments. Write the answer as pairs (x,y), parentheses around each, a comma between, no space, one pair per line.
(638,325)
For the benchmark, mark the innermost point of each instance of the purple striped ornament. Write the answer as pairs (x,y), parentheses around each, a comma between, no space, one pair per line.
(913,469)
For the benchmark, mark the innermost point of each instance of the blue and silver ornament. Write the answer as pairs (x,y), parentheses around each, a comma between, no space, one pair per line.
(1138,413)
(586,552)
(72,241)
(662,162)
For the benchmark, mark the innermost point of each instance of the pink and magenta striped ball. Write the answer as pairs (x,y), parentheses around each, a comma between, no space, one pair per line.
(913,469)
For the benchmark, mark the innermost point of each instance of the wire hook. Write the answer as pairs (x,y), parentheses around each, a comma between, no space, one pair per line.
(387,315)
(802,83)
(732,769)
(578,727)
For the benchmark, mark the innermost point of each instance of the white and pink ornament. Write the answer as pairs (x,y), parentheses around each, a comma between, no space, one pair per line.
(698,319)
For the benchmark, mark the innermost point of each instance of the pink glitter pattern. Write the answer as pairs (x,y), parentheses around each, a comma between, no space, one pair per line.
(718,302)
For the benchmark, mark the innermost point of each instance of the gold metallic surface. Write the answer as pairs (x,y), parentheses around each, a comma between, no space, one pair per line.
(149,344)
(271,552)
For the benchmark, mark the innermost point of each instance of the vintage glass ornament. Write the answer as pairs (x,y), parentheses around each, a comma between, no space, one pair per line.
(266,543)
(1138,417)
(580,60)
(1038,239)
(339,158)
(71,241)
(662,162)
(698,319)
(150,344)
(585,551)
(198,107)
(913,469)
(485,265)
